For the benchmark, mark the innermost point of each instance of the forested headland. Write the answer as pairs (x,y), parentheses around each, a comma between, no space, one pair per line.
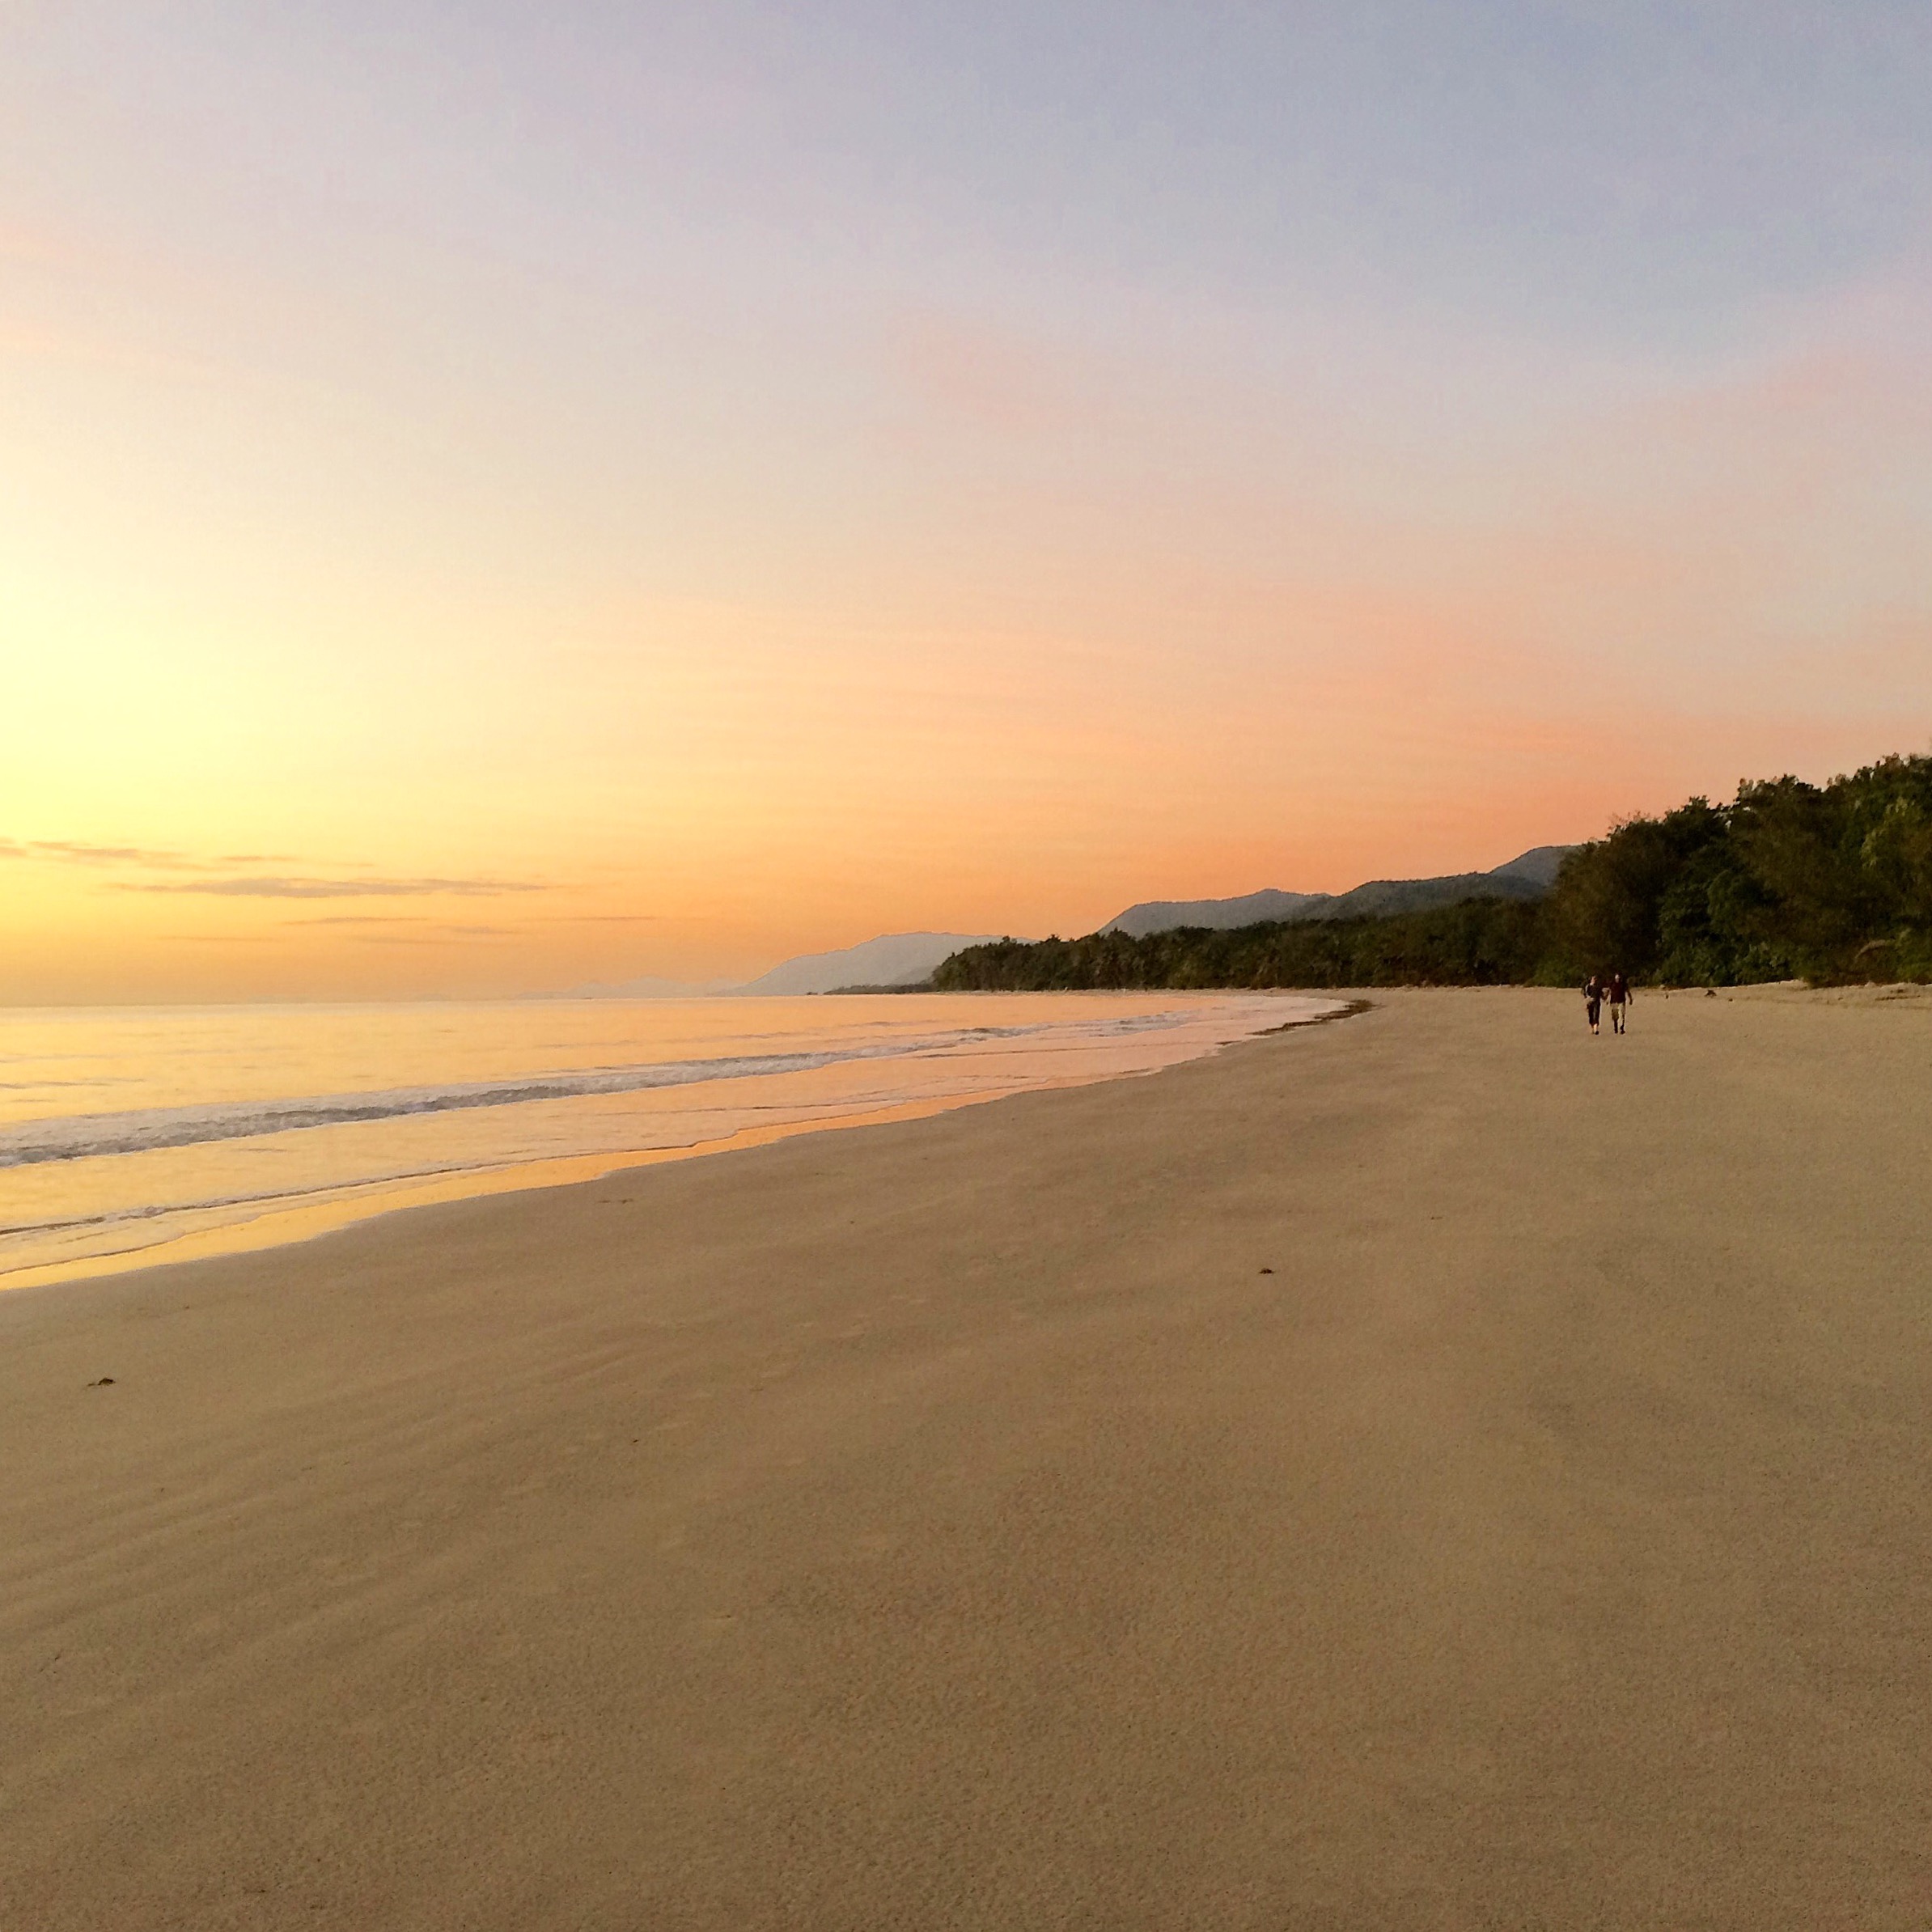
(1830,884)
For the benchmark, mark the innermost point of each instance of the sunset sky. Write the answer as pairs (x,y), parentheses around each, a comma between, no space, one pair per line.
(497,497)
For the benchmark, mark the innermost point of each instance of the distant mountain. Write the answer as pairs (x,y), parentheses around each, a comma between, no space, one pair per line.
(1527,877)
(896,959)
(908,959)
(1540,865)
(1253,908)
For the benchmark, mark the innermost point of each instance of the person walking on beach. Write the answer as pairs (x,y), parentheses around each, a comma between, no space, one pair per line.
(1593,1000)
(1620,1001)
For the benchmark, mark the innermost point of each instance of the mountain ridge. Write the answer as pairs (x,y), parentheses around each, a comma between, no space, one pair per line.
(892,959)
(895,960)
(1529,875)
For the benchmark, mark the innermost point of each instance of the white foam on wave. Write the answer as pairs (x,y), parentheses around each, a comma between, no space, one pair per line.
(82,1137)
(85,1190)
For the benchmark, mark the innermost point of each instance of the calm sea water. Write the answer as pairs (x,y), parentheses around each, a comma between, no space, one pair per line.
(138,1135)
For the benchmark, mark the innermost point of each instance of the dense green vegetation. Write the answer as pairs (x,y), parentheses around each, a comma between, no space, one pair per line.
(1825,882)
(1481,941)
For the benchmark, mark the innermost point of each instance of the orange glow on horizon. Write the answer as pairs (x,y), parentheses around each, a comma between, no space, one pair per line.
(335,668)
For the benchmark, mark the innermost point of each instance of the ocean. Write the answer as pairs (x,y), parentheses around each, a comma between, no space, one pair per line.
(131,1136)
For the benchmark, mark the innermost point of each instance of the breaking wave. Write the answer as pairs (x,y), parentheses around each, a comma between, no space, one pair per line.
(82,1137)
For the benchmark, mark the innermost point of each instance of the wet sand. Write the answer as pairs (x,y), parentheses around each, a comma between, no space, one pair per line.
(1436,1469)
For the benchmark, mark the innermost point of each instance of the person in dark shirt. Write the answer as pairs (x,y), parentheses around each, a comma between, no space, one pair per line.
(1620,1003)
(1593,1000)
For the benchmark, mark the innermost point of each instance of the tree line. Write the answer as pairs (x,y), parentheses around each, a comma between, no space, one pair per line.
(1831,883)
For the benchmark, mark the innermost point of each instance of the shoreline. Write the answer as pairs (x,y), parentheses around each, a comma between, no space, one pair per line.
(296,1225)
(1442,1471)
(281,1219)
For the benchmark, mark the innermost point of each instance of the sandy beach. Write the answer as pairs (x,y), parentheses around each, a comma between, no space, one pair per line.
(1434,1469)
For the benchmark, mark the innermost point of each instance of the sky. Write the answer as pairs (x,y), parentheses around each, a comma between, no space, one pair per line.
(494,497)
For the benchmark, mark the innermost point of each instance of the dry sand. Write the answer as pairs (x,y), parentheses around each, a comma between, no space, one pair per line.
(955,1524)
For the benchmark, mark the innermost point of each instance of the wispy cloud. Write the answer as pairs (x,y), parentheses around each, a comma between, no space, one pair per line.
(435,935)
(990,377)
(217,878)
(399,929)
(362,919)
(77,851)
(283,886)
